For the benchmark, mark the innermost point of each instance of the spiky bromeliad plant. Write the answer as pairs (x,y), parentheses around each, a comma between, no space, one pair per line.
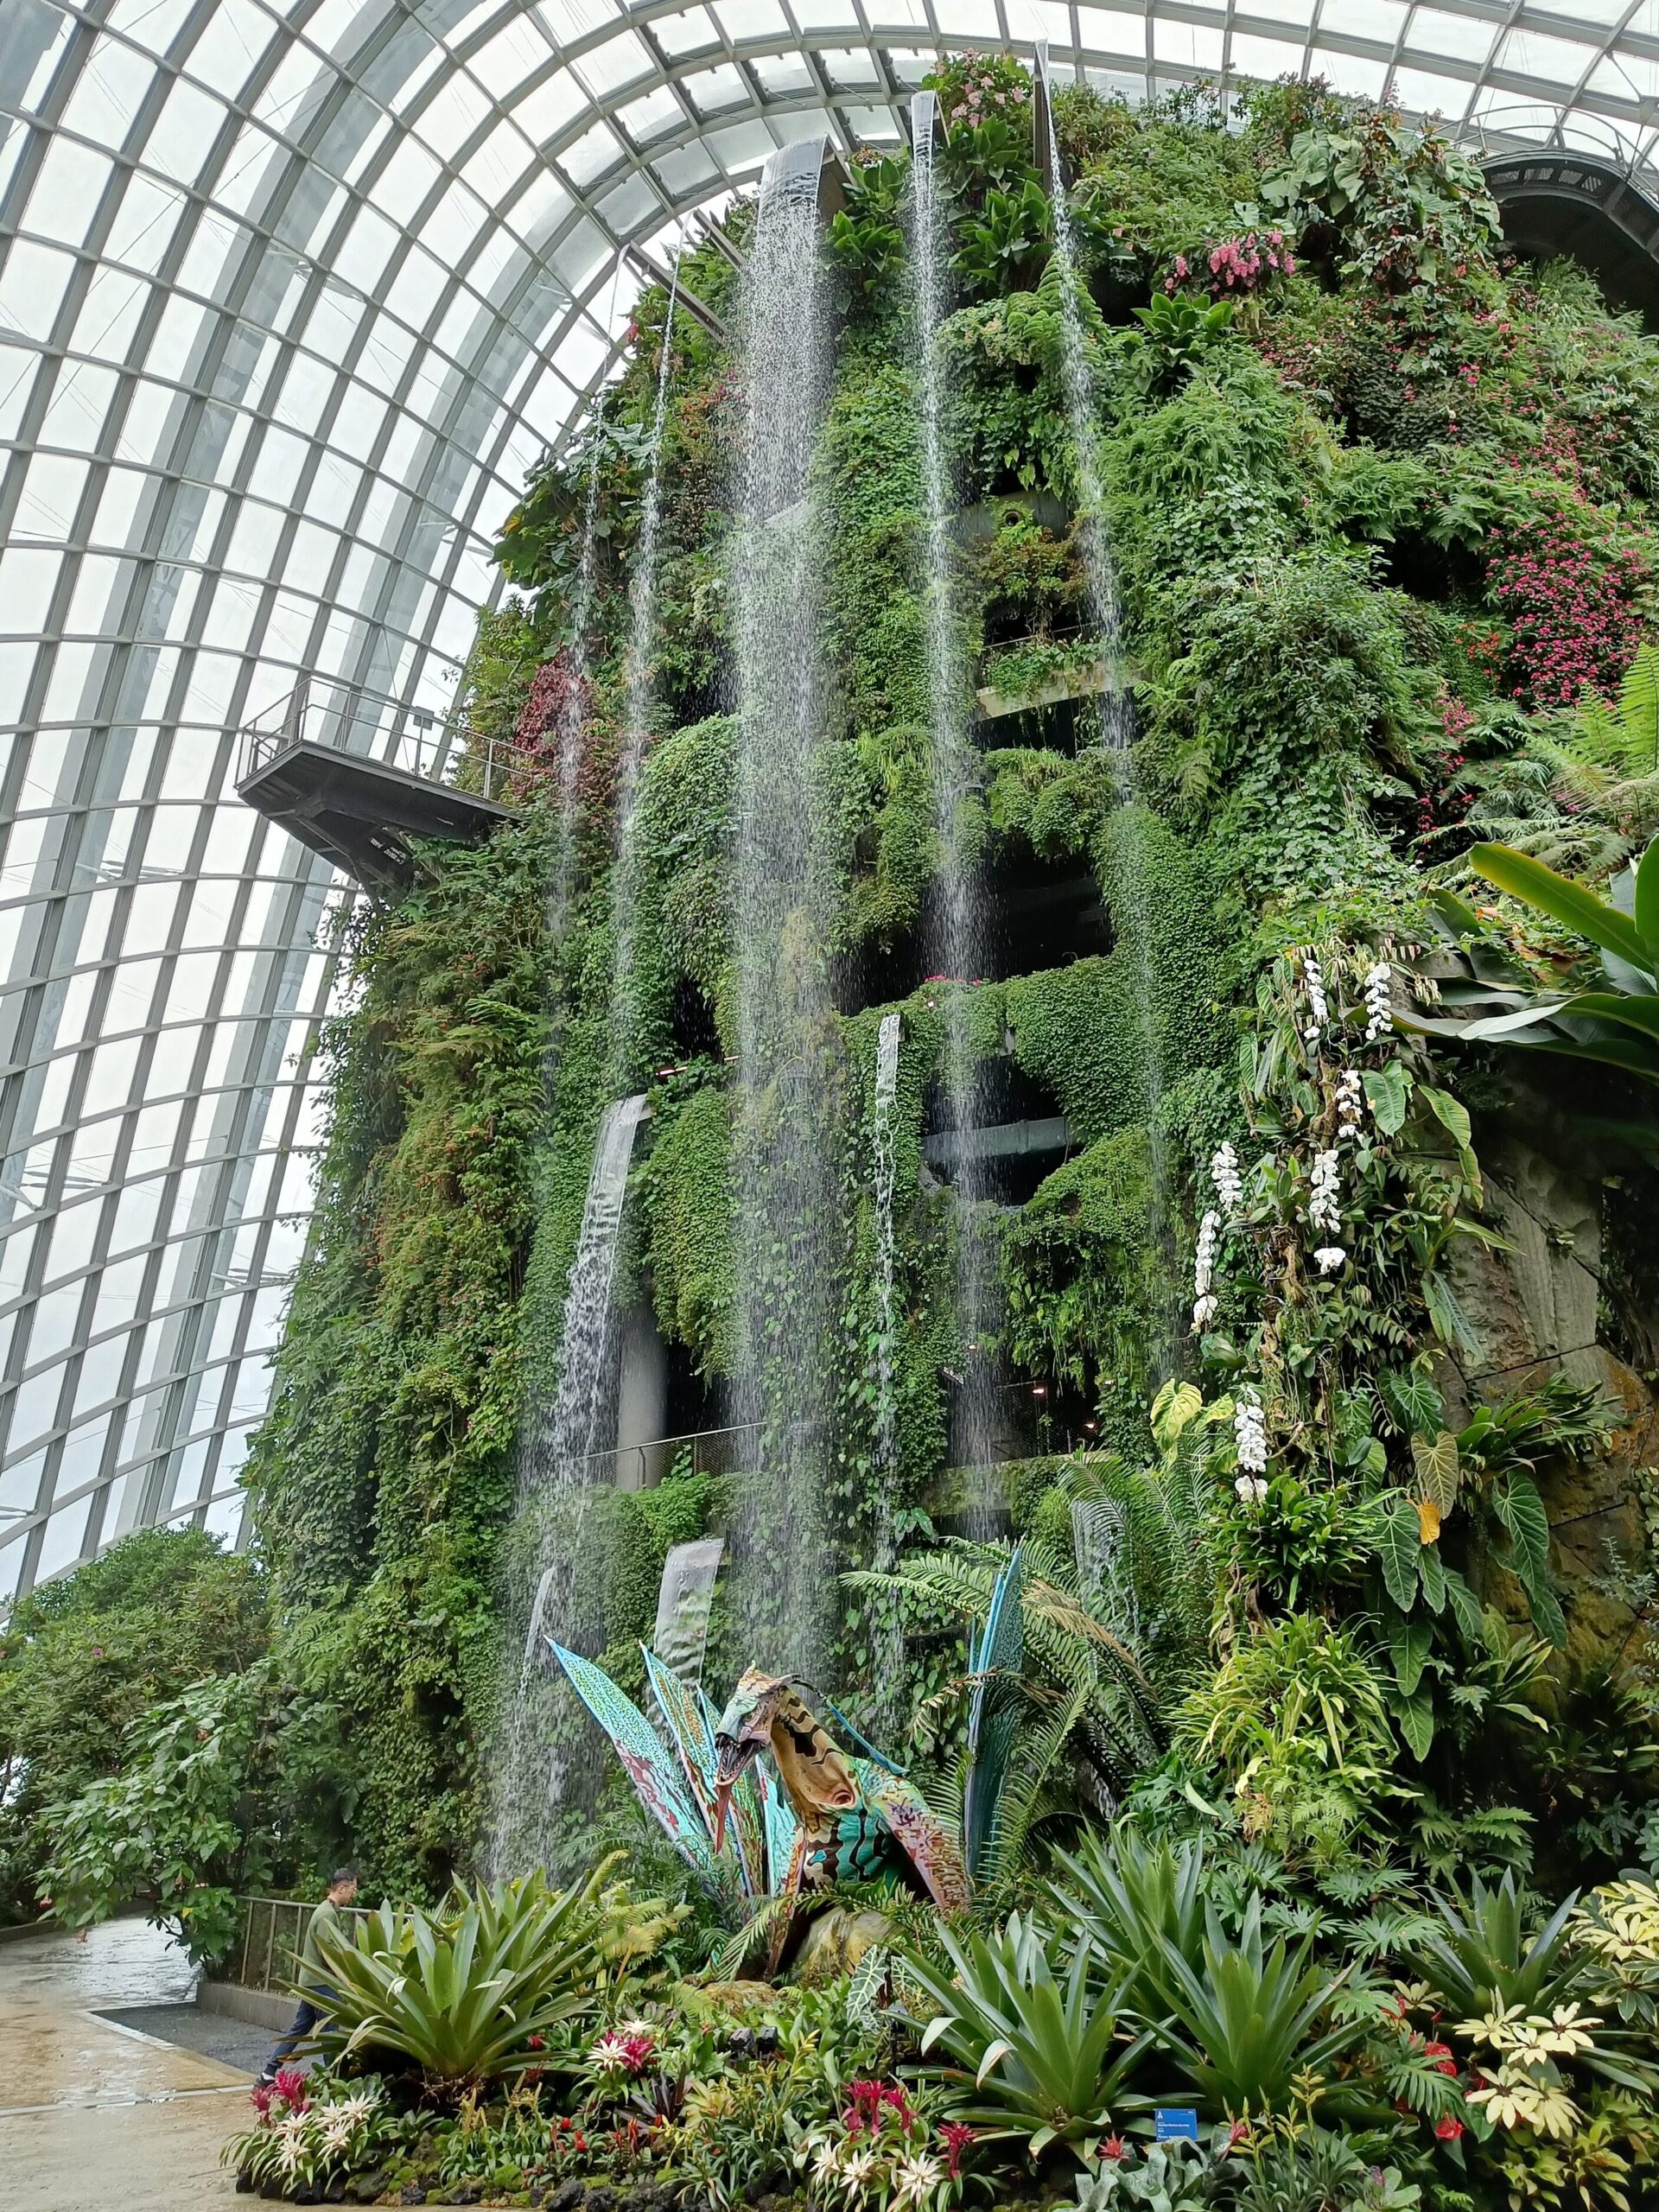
(1617,1022)
(469,1993)
(1033,2052)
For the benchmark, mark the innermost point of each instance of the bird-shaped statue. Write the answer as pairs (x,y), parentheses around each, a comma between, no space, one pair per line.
(843,1833)
(828,1817)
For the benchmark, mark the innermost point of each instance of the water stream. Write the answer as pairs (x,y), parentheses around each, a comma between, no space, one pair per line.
(784,1148)
(556,1464)
(887,1092)
(959,918)
(1131,915)
(642,606)
(888,1638)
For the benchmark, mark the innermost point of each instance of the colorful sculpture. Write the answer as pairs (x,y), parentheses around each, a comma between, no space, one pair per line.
(827,1817)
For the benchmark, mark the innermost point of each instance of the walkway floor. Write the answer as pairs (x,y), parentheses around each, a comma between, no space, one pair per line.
(94,2118)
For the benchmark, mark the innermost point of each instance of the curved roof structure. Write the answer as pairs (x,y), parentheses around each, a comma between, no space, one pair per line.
(292,293)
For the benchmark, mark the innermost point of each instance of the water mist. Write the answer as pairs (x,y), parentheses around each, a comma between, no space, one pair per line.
(786,1152)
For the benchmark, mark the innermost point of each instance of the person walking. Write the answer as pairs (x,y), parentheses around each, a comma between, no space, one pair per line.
(329,1918)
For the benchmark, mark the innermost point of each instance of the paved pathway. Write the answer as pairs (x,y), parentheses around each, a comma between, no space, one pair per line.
(93,2119)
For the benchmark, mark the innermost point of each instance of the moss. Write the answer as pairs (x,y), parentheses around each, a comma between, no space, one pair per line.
(687,1199)
(1085,1274)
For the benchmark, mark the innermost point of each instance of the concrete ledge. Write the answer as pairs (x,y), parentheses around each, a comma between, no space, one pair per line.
(262,2008)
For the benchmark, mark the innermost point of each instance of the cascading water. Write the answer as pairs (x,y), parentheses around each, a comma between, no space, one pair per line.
(960,920)
(886,1093)
(642,600)
(889,1640)
(783,1154)
(561,1435)
(1131,913)
(555,1465)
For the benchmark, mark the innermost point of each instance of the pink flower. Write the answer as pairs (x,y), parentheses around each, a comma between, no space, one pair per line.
(290,2086)
(957,2137)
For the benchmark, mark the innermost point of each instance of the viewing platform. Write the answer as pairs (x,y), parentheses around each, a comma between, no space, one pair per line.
(360,779)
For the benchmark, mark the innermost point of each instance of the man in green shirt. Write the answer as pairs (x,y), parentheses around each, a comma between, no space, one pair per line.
(328,1919)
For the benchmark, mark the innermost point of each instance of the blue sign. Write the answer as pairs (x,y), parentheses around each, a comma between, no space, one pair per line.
(1174,2124)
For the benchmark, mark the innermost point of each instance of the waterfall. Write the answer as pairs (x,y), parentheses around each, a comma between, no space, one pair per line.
(887,1092)
(572,721)
(959,923)
(556,1462)
(887,1631)
(1131,917)
(642,604)
(785,1155)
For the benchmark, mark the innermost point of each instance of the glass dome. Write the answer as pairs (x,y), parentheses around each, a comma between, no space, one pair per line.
(291,296)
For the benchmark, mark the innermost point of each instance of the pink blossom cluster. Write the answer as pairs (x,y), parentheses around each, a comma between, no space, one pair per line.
(981,96)
(1236,266)
(1569,608)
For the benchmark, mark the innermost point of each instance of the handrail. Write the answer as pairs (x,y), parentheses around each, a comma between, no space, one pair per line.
(373,727)
(697,1439)
(301,1910)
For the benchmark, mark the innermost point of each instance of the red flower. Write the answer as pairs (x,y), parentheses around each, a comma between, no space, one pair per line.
(290,2086)
(956,2135)
(1448,2129)
(1115,2148)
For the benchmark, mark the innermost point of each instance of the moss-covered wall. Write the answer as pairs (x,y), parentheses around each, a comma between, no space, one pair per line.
(1346,664)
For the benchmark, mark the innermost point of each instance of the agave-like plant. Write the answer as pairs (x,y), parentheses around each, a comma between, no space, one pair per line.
(1247,2025)
(1135,1902)
(1033,2052)
(469,1993)
(1483,1960)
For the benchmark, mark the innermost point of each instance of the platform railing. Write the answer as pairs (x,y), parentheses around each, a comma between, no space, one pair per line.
(438,748)
(270,1932)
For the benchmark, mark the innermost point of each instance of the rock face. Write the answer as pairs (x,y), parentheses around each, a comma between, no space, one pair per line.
(1537,1310)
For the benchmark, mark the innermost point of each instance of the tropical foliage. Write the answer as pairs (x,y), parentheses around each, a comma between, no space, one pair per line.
(1295,1330)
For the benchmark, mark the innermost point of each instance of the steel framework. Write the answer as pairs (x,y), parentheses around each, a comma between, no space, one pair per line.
(292,292)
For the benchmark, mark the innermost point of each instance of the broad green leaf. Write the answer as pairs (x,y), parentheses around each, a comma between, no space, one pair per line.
(1435,1459)
(1447,1111)
(1432,1569)
(1647,899)
(1465,1607)
(1518,1506)
(1529,880)
(1413,1400)
(1408,1643)
(1394,1531)
(1387,1089)
(1416,1717)
(1172,1409)
(1636,1010)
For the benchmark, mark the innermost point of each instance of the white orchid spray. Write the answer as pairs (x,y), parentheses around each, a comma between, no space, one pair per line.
(1350,1105)
(1251,1442)
(1318,1010)
(1324,1208)
(1204,1265)
(1379,1001)
(1229,1184)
